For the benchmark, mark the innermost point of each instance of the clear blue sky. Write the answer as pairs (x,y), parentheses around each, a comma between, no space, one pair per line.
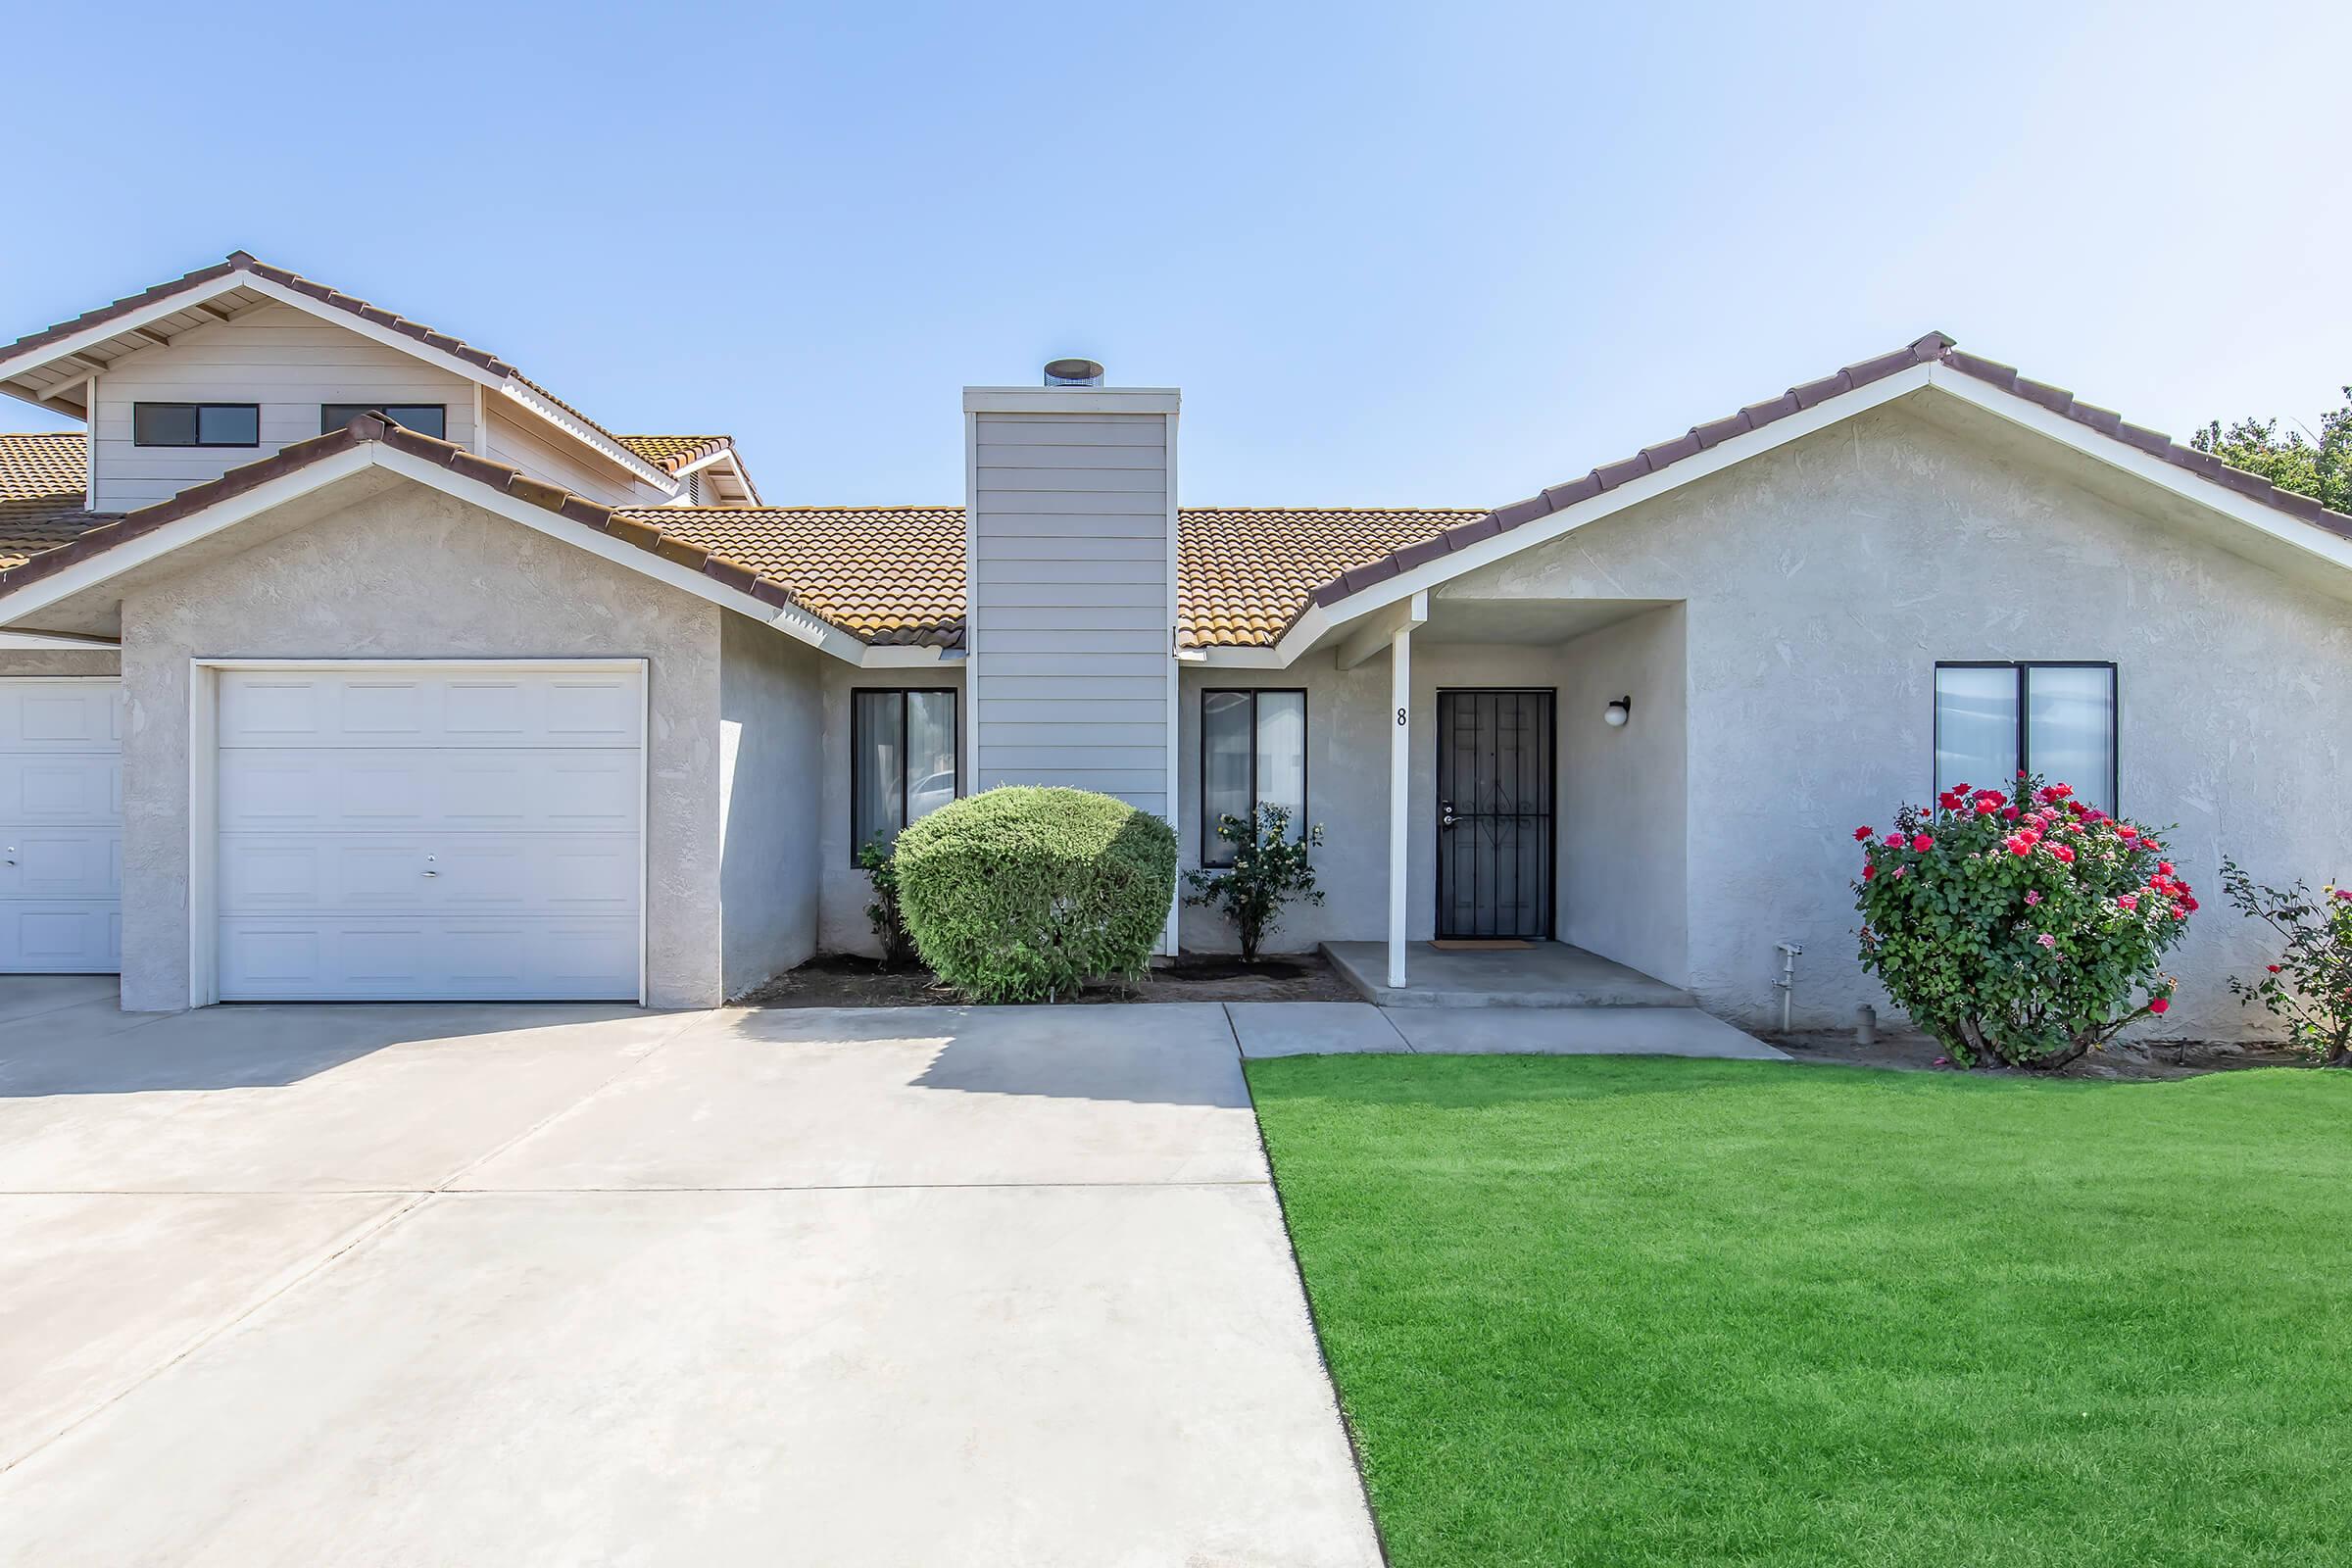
(1434,254)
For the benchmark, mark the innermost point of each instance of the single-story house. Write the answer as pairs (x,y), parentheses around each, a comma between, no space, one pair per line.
(339,660)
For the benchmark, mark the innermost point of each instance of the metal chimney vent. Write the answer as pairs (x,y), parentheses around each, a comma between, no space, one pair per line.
(1073,372)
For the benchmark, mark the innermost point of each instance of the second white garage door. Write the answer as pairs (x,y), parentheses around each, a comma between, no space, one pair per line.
(430,833)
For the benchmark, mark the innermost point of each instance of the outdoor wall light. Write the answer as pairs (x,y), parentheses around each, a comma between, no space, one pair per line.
(1619,710)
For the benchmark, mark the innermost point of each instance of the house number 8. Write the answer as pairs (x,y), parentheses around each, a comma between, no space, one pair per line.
(1400,719)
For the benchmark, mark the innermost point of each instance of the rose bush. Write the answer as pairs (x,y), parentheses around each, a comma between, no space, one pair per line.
(2020,927)
(2311,984)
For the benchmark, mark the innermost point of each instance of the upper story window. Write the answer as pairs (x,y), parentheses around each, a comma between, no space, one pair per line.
(196,425)
(1252,754)
(1995,721)
(902,760)
(426,418)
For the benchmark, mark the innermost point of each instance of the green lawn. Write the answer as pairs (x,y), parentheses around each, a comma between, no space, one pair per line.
(1639,1310)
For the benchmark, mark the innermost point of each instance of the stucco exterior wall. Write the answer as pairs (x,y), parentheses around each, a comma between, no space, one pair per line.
(59,662)
(772,786)
(1624,856)
(413,574)
(1824,581)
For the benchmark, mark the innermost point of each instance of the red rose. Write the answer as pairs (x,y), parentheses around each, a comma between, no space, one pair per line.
(2274,969)
(1869,871)
(2165,866)
(2009,813)
(1985,803)
(2062,852)
(2160,1004)
(1922,844)
(1862,834)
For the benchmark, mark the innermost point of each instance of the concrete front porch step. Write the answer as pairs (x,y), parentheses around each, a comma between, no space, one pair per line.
(1545,974)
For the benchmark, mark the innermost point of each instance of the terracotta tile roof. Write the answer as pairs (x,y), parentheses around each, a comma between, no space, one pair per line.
(1933,349)
(246,262)
(882,574)
(895,574)
(1245,573)
(40,493)
(632,530)
(670,453)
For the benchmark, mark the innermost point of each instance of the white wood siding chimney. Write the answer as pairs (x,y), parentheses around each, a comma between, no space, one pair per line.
(1070,547)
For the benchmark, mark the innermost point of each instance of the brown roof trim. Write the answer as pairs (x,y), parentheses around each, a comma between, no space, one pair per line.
(1933,349)
(500,477)
(2155,443)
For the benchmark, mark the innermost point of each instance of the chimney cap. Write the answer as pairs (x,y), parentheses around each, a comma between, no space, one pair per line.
(1073,372)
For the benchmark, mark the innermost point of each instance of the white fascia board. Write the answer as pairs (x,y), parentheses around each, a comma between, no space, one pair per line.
(2308,537)
(39,595)
(542,410)
(1319,619)
(1235,658)
(900,656)
(351,322)
(1072,399)
(58,640)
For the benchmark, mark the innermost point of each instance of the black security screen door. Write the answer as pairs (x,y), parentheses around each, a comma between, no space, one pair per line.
(1494,792)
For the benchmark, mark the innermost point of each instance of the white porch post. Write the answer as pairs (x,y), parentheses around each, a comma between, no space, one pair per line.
(1401,761)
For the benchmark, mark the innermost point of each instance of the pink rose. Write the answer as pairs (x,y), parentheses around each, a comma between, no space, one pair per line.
(2046,940)
(2126,901)
(2062,852)
(2033,897)
(1894,841)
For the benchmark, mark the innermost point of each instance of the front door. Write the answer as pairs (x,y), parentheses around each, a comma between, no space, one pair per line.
(1494,792)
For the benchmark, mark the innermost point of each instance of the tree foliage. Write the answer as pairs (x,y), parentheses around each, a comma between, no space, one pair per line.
(2319,466)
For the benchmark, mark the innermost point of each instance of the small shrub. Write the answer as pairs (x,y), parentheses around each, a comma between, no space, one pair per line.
(2019,926)
(1024,894)
(881,868)
(2311,984)
(1269,868)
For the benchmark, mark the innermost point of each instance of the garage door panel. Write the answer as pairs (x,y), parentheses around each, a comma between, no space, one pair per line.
(430,959)
(536,709)
(62,937)
(329,873)
(65,716)
(61,826)
(50,864)
(425,791)
(57,787)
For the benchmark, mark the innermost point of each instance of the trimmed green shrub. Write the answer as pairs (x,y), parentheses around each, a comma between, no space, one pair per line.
(1024,894)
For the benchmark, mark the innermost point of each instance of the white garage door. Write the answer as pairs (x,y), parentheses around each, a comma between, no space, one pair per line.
(437,833)
(61,822)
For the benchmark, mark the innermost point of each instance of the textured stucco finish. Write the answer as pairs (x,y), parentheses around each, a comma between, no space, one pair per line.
(411,574)
(772,741)
(1824,580)
(37,663)
(1624,853)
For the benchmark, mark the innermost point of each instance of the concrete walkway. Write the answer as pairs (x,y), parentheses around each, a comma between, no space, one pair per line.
(1333,1028)
(570,1285)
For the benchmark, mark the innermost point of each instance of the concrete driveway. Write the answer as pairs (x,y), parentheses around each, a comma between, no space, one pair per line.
(590,1284)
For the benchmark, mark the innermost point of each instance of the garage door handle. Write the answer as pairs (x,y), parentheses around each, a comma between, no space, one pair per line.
(432,874)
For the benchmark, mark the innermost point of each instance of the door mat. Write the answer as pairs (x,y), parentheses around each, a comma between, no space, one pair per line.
(1470,945)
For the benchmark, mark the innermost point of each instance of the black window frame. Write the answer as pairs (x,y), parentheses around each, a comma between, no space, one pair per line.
(328,425)
(1209,842)
(2025,669)
(196,426)
(857,728)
